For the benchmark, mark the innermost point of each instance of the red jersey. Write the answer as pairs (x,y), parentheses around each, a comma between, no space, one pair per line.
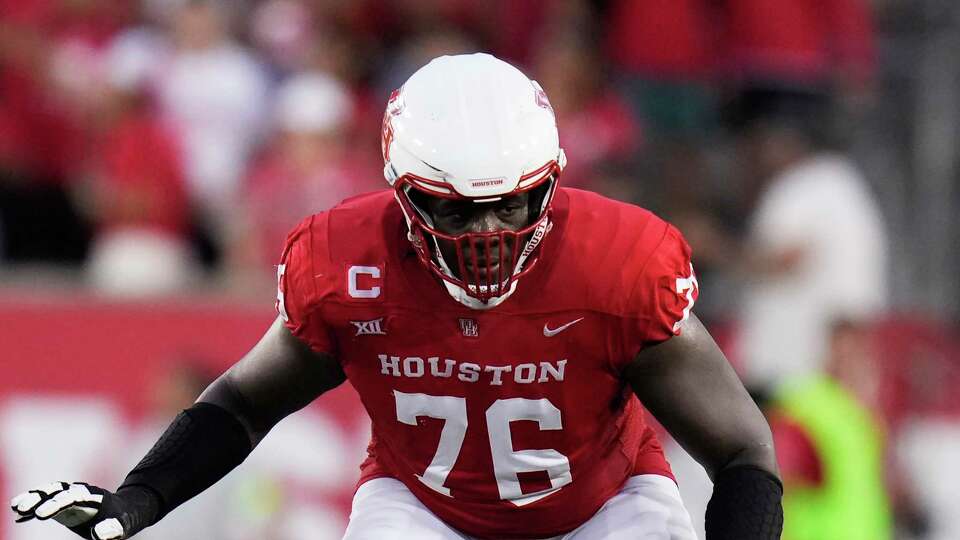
(512,422)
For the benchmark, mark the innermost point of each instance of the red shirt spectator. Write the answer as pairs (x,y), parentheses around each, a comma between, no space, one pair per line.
(280,193)
(800,38)
(310,167)
(661,38)
(597,128)
(41,127)
(142,181)
(798,459)
(601,131)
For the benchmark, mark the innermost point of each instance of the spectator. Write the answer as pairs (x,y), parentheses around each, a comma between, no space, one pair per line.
(213,91)
(816,246)
(830,40)
(663,56)
(50,55)
(664,51)
(139,197)
(418,49)
(596,124)
(284,31)
(50,61)
(309,168)
(830,447)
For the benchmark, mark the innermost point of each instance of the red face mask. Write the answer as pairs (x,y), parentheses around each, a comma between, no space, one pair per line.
(485,265)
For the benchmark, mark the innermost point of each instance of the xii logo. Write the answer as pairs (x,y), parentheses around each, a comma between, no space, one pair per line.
(365,328)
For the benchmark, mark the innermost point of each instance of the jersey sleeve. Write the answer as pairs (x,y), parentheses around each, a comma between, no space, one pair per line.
(299,294)
(664,292)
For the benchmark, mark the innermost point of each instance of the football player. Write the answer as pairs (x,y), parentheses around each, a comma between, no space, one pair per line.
(499,331)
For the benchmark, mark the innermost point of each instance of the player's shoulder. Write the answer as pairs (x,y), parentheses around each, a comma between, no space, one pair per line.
(349,230)
(356,226)
(614,252)
(364,207)
(326,247)
(612,229)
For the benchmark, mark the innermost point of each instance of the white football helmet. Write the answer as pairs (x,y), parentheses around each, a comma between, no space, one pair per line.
(473,127)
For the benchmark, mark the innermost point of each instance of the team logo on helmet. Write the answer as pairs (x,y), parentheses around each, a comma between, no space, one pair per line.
(541,98)
(394,108)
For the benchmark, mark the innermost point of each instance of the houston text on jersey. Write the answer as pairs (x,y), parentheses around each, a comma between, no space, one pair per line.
(416,367)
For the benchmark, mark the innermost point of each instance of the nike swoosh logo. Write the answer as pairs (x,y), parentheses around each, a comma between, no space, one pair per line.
(550,332)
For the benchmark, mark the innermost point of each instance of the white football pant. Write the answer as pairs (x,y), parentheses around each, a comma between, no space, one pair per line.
(648,506)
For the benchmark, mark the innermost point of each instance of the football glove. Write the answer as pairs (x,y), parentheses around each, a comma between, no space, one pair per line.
(91,512)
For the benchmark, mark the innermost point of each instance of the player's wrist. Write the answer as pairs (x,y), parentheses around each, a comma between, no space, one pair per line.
(140,504)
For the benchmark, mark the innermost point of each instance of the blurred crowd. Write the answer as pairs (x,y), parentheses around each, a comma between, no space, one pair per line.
(162,146)
(163,142)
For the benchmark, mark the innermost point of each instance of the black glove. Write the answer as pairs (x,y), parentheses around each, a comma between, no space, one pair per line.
(91,512)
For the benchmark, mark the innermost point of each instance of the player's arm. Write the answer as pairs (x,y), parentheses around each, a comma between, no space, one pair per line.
(688,385)
(278,376)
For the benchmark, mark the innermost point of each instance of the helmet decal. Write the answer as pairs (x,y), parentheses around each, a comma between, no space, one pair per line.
(394,108)
(541,98)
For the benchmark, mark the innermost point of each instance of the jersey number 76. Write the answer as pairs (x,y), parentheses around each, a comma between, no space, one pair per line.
(507,462)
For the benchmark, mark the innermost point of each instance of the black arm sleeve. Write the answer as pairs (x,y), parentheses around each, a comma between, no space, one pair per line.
(202,445)
(745,505)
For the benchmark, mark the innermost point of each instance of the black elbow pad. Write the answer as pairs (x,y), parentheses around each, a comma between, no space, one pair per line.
(746,505)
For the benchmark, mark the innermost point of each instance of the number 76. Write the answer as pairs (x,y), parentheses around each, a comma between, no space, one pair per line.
(507,462)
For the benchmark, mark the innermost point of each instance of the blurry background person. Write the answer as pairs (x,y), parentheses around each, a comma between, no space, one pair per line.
(665,52)
(663,56)
(138,196)
(214,92)
(815,250)
(598,127)
(285,32)
(309,167)
(832,448)
(802,246)
(50,53)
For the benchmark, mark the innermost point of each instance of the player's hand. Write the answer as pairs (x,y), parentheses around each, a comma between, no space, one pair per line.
(89,511)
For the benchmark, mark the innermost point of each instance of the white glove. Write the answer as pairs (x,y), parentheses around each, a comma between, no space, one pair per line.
(87,510)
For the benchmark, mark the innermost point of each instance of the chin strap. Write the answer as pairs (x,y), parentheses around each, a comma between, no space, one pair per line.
(461,296)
